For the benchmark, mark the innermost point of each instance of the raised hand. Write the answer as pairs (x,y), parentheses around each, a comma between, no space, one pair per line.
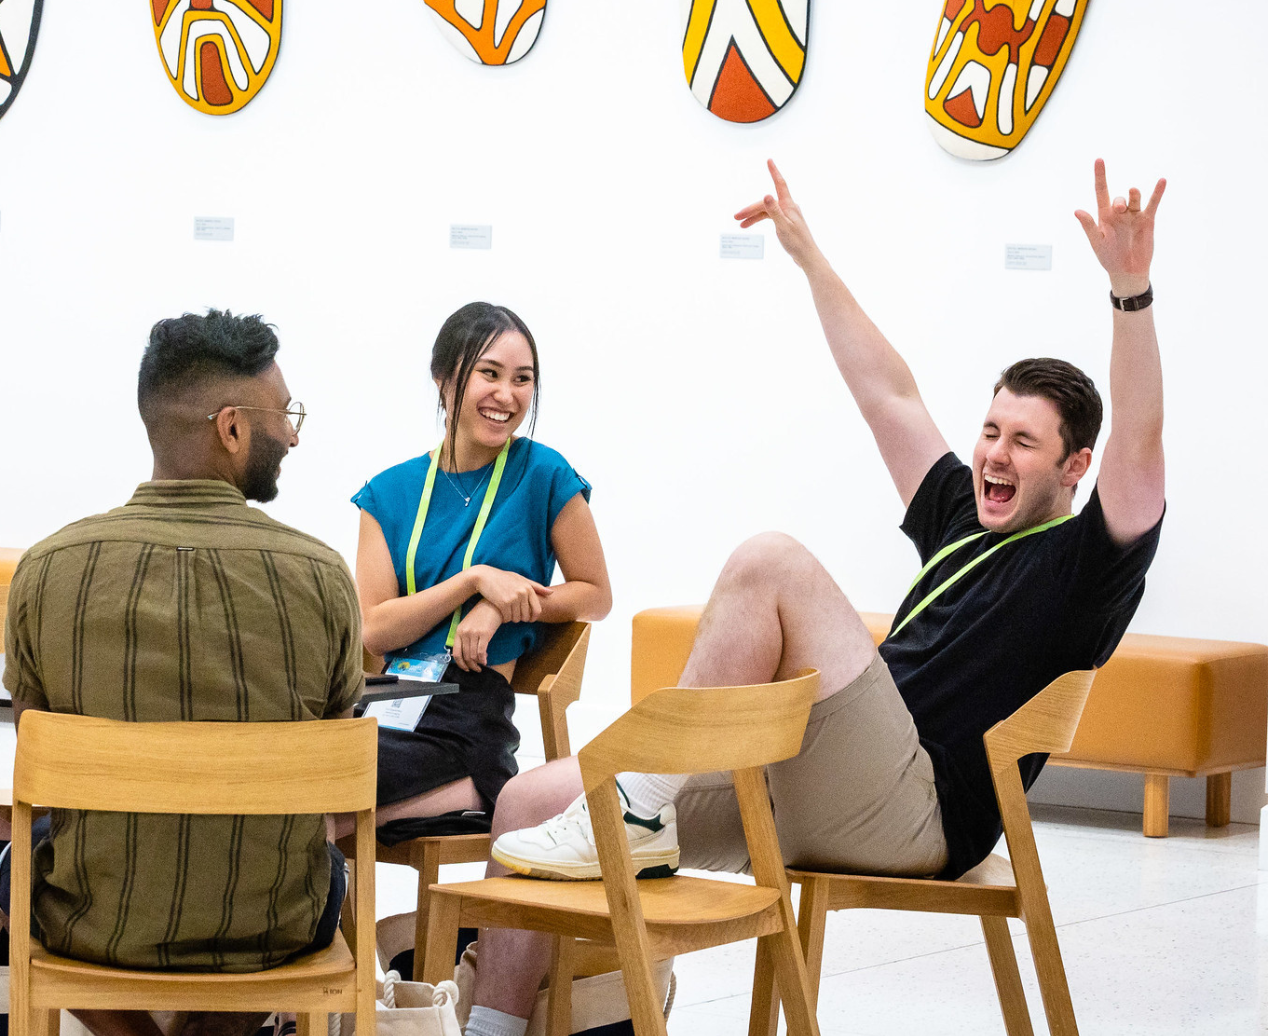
(517,598)
(1122,234)
(780,209)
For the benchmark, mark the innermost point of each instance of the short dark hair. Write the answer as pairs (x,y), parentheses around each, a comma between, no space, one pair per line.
(189,350)
(462,340)
(1068,389)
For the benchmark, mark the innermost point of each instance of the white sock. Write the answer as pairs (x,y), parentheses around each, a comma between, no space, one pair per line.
(485,1021)
(647,792)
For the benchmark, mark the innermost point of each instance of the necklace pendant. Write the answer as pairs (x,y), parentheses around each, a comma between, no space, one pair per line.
(466,501)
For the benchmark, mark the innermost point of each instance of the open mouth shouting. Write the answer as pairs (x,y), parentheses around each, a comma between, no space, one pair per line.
(997,490)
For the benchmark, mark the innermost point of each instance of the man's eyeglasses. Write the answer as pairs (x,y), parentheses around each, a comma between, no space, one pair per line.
(294,415)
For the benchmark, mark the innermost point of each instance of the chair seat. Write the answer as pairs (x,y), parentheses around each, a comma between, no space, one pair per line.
(681,914)
(111,987)
(989,888)
(451,849)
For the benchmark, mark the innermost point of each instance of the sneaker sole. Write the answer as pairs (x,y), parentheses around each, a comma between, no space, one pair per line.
(651,865)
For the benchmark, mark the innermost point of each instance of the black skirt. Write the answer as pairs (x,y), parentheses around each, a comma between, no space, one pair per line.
(469,734)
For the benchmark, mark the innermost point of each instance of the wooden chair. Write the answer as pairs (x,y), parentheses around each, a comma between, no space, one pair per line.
(675,730)
(552,674)
(78,762)
(994,890)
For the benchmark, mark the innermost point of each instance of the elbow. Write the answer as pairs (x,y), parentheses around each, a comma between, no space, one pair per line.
(373,638)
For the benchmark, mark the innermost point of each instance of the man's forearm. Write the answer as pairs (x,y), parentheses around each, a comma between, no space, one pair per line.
(1136,381)
(873,370)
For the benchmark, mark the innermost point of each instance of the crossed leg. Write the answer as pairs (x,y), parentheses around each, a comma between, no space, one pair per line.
(773,611)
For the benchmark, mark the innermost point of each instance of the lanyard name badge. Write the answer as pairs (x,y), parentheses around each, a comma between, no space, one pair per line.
(405,713)
(942,587)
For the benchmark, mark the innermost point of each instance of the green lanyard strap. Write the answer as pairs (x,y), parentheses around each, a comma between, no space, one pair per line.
(937,592)
(424,505)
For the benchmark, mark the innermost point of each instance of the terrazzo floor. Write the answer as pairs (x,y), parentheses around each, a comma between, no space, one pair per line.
(1160,937)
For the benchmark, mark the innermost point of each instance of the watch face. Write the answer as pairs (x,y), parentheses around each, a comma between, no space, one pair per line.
(490,32)
(19,25)
(743,60)
(217,53)
(992,69)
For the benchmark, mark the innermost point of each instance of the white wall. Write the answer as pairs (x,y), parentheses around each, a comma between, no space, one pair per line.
(696,394)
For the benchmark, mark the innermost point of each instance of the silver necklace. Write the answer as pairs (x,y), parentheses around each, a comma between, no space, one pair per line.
(466,497)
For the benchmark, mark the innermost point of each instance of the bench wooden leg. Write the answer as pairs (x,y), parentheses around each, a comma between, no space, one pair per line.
(1157,804)
(1219,798)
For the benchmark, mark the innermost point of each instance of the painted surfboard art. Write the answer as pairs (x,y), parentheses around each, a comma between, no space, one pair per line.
(993,66)
(490,32)
(218,53)
(19,25)
(744,58)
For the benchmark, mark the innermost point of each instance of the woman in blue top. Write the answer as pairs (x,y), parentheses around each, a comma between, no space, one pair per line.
(415,590)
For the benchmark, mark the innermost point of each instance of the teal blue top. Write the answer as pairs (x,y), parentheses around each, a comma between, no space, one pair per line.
(536,484)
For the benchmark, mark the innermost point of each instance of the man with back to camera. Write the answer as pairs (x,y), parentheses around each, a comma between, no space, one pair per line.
(894,743)
(186,604)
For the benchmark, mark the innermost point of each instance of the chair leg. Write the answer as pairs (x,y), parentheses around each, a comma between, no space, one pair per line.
(1157,804)
(46,1023)
(794,988)
(428,864)
(1219,799)
(563,958)
(1012,998)
(1053,986)
(311,1025)
(442,938)
(812,922)
(763,1018)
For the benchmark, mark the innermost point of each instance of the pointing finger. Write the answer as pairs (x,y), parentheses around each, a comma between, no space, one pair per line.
(1102,187)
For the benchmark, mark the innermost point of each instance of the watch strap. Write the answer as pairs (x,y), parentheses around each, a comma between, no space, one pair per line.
(1132,303)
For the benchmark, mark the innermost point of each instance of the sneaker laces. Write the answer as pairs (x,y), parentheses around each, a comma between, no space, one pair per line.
(575,818)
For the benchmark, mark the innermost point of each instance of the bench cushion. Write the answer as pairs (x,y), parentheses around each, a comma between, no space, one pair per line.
(1174,704)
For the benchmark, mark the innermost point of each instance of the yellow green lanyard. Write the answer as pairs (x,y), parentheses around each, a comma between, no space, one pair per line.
(425,503)
(937,592)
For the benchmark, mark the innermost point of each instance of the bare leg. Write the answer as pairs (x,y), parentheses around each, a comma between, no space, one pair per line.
(447,798)
(513,963)
(119,1023)
(774,610)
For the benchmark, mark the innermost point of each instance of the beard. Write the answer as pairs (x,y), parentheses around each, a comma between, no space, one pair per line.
(260,478)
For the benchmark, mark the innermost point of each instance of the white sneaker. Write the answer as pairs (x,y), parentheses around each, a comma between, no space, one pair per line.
(563,849)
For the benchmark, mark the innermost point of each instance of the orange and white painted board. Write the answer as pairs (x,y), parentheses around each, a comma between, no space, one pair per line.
(744,58)
(490,32)
(993,66)
(217,53)
(19,25)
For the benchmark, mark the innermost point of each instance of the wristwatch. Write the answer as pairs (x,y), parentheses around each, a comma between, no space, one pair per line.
(1133,302)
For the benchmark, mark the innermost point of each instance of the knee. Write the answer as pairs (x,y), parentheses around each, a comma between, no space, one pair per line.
(536,795)
(766,560)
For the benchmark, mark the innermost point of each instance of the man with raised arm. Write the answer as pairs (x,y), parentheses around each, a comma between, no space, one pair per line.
(1015,590)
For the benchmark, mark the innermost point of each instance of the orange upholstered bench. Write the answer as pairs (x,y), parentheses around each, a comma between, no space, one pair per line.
(1161,706)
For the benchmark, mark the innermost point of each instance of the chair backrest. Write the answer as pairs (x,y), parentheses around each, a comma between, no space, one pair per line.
(703,729)
(1046,723)
(563,649)
(80,762)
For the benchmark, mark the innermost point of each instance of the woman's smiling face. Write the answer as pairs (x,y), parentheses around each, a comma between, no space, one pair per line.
(499,395)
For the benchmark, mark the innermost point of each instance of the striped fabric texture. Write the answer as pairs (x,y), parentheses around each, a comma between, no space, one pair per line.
(185,604)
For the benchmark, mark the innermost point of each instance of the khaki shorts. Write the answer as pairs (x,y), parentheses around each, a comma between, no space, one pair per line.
(858,798)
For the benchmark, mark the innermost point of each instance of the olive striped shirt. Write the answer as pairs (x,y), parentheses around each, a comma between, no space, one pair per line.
(185,604)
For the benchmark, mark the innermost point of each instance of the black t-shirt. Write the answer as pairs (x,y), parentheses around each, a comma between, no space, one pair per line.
(1044,605)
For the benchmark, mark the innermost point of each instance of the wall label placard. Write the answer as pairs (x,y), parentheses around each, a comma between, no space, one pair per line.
(742,246)
(470,235)
(213,228)
(1028,257)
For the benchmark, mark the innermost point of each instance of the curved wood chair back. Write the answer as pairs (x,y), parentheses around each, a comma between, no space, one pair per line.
(747,727)
(80,762)
(1045,724)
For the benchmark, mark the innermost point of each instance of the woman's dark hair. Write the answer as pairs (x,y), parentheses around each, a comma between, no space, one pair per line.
(462,340)
(189,350)
(1068,389)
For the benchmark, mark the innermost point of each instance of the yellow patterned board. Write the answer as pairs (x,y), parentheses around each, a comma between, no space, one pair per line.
(993,66)
(744,58)
(19,25)
(217,53)
(490,32)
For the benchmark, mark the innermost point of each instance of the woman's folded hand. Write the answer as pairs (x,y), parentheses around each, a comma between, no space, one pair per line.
(516,598)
